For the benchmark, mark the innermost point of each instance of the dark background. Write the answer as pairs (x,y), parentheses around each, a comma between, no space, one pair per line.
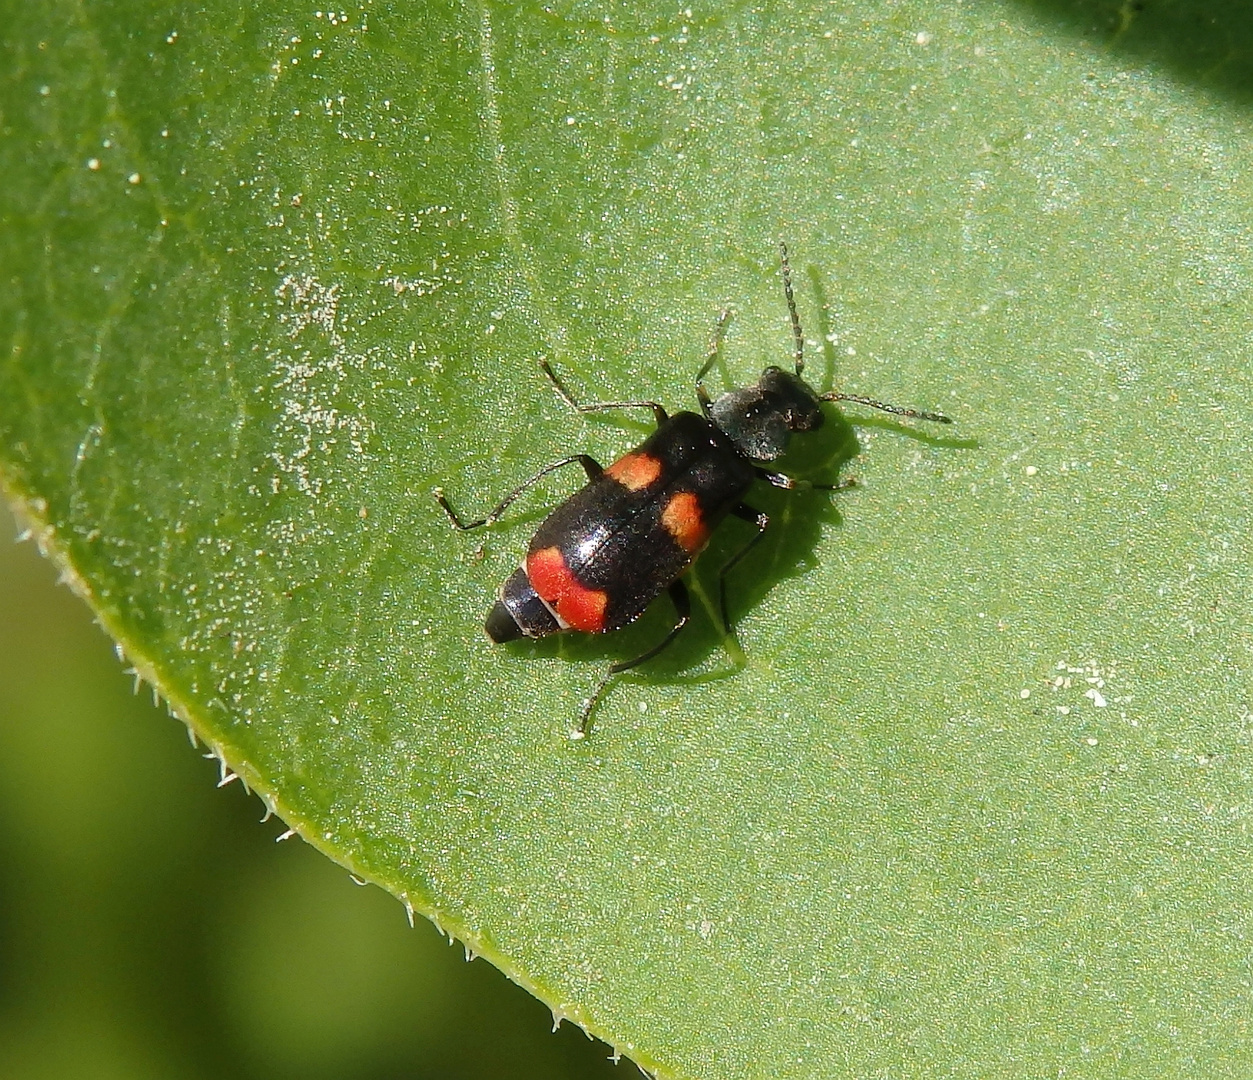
(150,926)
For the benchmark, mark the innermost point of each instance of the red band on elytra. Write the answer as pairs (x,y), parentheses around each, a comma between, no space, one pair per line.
(635,471)
(684,520)
(582,608)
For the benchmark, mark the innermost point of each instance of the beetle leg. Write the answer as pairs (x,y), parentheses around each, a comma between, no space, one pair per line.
(779,480)
(711,357)
(682,608)
(747,513)
(590,466)
(659,414)
(683,611)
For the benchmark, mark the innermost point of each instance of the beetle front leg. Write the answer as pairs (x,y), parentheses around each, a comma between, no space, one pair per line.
(790,483)
(747,513)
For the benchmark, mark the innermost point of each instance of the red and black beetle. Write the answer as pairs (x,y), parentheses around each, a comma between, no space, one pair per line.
(614,546)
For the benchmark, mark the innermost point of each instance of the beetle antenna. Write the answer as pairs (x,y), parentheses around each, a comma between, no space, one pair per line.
(895,410)
(798,349)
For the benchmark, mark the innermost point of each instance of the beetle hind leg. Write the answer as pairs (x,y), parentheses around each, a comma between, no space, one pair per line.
(683,612)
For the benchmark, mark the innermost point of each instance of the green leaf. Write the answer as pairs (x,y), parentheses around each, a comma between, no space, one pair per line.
(975,800)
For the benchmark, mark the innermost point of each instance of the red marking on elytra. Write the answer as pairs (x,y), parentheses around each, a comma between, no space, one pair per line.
(684,521)
(574,603)
(635,471)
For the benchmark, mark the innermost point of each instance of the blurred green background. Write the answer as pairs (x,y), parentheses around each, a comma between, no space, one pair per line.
(150,927)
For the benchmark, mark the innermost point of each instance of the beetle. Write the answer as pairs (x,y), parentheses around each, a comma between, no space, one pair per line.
(606,553)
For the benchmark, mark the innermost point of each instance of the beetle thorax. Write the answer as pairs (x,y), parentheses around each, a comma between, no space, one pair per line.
(760,419)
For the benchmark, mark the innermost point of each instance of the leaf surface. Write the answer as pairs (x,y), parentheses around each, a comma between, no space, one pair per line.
(973,799)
